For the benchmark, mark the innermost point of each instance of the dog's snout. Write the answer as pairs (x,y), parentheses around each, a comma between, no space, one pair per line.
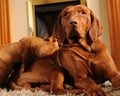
(73,22)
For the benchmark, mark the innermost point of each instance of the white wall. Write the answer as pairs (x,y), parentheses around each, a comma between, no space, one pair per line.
(19,19)
(99,7)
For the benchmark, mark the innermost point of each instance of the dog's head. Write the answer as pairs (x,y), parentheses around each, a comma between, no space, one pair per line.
(48,47)
(76,22)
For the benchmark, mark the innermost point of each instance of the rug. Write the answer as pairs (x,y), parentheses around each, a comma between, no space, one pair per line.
(107,87)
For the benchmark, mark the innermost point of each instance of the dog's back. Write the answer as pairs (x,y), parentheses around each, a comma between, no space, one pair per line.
(9,56)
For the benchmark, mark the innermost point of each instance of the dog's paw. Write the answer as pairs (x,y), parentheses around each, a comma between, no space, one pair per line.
(116,81)
(95,92)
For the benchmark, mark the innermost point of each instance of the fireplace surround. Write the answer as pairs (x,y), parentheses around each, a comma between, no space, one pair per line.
(43,14)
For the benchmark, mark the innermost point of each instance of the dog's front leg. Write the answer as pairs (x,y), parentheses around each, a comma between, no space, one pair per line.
(77,68)
(89,86)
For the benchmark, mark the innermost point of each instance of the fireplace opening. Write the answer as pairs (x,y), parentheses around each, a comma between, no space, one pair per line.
(46,15)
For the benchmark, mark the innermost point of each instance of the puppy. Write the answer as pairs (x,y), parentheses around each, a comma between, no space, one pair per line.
(35,47)
(44,71)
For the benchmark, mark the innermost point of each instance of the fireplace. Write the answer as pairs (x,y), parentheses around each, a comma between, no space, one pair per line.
(45,14)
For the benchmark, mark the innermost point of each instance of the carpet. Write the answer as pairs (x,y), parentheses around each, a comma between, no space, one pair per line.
(107,87)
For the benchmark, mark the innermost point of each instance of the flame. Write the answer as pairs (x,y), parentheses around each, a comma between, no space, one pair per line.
(52,39)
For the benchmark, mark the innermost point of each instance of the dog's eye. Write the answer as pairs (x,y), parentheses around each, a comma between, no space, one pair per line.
(66,14)
(83,13)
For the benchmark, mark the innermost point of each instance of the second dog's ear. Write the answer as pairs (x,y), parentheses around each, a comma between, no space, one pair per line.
(58,32)
(95,29)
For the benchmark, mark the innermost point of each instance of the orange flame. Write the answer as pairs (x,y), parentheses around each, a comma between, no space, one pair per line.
(53,39)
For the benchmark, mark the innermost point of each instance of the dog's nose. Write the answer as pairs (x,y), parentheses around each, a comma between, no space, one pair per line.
(73,22)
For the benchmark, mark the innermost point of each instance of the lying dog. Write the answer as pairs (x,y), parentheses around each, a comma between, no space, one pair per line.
(43,69)
(48,75)
(10,56)
(82,53)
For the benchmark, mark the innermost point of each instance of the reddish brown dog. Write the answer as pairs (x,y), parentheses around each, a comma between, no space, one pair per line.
(82,53)
(42,69)
(10,56)
(46,74)
(35,47)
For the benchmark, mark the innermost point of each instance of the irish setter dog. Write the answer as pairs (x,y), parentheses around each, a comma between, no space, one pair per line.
(82,53)
(39,67)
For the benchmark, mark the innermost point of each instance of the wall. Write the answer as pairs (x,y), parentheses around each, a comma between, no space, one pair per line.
(20,18)
(99,7)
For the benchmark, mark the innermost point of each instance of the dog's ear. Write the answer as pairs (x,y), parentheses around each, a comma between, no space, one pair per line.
(95,29)
(57,31)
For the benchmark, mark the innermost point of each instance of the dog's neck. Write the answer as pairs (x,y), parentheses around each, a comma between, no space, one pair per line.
(71,45)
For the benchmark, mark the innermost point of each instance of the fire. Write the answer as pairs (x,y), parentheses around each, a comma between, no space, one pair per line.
(51,39)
